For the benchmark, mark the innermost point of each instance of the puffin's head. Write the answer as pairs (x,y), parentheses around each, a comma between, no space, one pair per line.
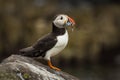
(62,21)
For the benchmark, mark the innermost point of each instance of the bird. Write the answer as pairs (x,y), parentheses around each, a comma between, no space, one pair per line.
(52,43)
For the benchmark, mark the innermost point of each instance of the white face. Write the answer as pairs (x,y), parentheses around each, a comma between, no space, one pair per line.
(61,21)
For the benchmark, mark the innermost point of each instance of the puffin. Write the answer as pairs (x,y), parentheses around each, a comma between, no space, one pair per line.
(52,43)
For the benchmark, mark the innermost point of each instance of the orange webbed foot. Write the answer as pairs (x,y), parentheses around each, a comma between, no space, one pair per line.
(53,67)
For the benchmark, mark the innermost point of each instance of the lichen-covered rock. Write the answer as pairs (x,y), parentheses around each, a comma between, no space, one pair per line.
(17,67)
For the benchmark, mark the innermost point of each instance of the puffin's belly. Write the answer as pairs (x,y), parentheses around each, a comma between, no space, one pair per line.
(60,45)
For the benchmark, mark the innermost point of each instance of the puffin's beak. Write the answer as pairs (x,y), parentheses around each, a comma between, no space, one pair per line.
(70,21)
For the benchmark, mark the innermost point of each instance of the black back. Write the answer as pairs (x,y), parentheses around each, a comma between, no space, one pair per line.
(44,44)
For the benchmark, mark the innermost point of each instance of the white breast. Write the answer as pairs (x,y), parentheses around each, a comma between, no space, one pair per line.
(60,45)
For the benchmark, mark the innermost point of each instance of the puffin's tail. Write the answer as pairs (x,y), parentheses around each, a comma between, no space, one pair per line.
(29,51)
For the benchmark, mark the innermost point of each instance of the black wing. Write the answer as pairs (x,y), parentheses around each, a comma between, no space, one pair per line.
(41,46)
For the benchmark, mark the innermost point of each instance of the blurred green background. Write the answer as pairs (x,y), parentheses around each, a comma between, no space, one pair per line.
(93,52)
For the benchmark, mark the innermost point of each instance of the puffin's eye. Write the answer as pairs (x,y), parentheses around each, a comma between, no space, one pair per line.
(61,18)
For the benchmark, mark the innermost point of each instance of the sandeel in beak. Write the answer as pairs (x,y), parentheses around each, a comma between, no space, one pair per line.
(71,23)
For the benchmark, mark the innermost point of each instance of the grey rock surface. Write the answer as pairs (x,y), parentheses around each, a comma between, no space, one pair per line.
(18,67)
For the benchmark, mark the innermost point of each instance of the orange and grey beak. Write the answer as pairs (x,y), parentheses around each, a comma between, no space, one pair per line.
(70,22)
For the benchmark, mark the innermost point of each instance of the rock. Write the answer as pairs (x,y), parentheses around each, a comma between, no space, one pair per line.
(18,67)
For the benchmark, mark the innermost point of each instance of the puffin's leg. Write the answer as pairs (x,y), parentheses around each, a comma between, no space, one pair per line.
(51,66)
